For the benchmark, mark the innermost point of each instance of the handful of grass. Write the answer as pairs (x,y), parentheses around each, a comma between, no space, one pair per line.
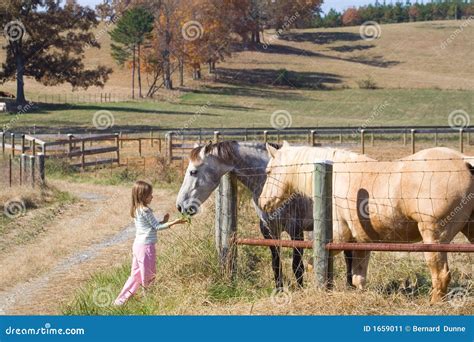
(186,217)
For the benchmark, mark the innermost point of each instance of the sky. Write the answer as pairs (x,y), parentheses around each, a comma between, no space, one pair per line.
(327,5)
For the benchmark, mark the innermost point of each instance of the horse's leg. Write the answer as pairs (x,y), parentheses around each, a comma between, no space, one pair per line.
(276,262)
(348,259)
(298,265)
(440,274)
(360,264)
(437,262)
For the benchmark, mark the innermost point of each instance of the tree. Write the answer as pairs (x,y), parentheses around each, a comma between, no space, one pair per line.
(351,17)
(332,19)
(47,41)
(133,27)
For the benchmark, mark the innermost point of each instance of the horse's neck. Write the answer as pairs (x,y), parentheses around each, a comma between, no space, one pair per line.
(250,167)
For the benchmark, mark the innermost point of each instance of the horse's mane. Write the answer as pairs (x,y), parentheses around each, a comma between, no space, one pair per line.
(226,151)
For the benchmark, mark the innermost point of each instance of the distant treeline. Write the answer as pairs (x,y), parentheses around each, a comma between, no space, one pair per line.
(397,13)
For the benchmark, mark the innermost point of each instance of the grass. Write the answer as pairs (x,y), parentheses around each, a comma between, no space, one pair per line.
(158,174)
(247,106)
(189,281)
(34,209)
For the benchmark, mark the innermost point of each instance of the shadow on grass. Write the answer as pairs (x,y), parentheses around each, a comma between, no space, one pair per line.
(245,91)
(269,77)
(321,37)
(47,108)
(351,48)
(375,61)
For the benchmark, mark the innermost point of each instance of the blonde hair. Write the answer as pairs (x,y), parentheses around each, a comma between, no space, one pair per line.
(140,192)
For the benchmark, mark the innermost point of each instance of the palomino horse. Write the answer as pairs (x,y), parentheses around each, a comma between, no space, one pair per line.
(424,197)
(247,161)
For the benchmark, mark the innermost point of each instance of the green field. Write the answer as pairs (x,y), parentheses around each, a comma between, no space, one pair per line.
(247,106)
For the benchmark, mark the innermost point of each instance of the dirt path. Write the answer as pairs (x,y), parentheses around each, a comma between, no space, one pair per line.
(38,277)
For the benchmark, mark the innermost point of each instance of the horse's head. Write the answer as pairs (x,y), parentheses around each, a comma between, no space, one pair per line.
(277,188)
(207,164)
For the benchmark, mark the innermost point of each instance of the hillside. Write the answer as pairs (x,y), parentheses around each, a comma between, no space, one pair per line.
(313,74)
(407,55)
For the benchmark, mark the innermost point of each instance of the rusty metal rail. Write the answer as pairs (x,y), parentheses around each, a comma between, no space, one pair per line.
(357,246)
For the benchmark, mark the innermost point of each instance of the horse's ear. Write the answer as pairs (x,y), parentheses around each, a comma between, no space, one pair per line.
(196,145)
(205,150)
(286,144)
(271,151)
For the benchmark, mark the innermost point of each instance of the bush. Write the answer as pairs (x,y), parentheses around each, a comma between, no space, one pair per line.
(367,83)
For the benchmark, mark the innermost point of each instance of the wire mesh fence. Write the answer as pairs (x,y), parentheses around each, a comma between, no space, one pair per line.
(424,198)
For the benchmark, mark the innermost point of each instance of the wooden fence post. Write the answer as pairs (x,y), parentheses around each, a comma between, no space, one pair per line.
(169,146)
(10,170)
(3,142)
(22,143)
(265,136)
(83,155)
(140,146)
(226,224)
(151,138)
(461,140)
(362,140)
(117,143)
(313,137)
(217,135)
(413,148)
(41,168)
(13,144)
(322,228)
(436,137)
(69,149)
(32,170)
(24,166)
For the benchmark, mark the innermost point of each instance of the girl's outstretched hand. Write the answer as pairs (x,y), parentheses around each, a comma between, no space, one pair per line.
(178,221)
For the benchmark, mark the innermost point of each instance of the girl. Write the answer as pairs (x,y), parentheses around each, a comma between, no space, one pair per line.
(144,254)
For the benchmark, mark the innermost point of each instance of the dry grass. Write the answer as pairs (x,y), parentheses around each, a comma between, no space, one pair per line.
(189,281)
(407,55)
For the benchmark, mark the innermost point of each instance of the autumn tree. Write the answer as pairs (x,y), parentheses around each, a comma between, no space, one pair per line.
(46,40)
(351,17)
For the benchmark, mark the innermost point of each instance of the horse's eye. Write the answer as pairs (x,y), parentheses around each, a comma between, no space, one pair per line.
(193,172)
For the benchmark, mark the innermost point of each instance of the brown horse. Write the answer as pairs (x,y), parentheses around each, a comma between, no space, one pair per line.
(424,197)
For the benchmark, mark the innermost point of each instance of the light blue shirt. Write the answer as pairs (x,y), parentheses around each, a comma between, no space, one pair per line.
(147,226)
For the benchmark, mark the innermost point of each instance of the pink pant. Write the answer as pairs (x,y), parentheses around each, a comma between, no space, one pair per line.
(143,271)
